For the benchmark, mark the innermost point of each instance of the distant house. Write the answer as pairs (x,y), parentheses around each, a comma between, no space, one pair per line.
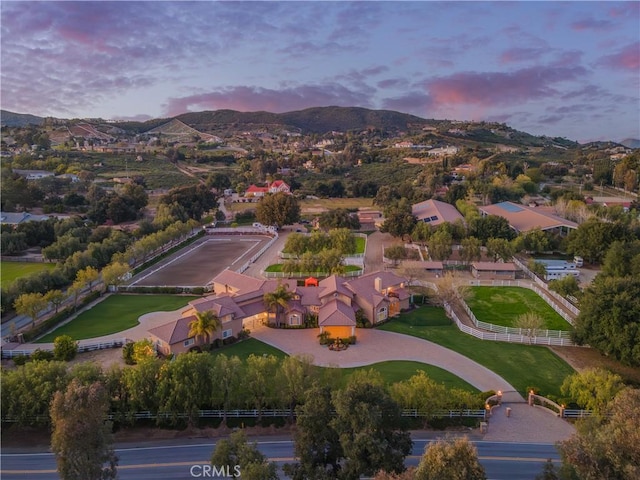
(435,212)
(493,271)
(278,186)
(443,151)
(10,218)
(522,218)
(238,302)
(34,174)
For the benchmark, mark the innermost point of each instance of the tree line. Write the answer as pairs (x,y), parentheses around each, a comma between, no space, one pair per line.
(193,382)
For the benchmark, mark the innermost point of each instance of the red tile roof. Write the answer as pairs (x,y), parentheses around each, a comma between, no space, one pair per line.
(174,331)
(336,314)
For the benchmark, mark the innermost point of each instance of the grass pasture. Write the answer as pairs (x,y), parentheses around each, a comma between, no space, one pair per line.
(10,271)
(523,366)
(503,305)
(116,314)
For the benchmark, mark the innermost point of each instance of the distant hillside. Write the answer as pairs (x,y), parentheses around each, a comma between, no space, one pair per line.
(12,119)
(178,131)
(310,120)
(631,143)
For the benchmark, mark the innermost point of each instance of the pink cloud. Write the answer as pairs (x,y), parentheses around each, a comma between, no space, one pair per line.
(592,24)
(515,55)
(498,88)
(628,58)
(250,99)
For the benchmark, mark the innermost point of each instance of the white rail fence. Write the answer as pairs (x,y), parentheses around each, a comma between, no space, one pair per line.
(266,246)
(267,413)
(543,293)
(82,347)
(559,298)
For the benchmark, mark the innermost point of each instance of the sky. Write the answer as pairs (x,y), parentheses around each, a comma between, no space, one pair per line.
(568,69)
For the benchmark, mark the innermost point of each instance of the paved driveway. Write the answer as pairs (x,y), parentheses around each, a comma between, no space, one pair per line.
(378,346)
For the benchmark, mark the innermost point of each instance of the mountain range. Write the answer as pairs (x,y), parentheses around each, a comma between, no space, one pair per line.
(317,120)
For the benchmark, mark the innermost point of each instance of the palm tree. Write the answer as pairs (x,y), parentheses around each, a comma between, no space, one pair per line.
(204,325)
(278,299)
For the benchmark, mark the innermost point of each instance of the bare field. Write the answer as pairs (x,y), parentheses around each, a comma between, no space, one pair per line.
(202,261)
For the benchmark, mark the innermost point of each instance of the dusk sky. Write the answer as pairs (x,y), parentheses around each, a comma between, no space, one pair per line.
(568,69)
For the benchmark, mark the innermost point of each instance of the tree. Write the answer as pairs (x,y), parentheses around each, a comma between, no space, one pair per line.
(81,438)
(530,322)
(592,239)
(499,249)
(592,388)
(440,245)
(399,220)
(30,304)
(567,286)
(74,291)
(204,325)
(142,350)
(453,459)
(491,226)
(606,447)
(609,319)
(114,274)
(227,378)
(536,241)
(450,289)
(185,386)
(65,348)
(421,233)
(548,472)
(88,276)
(196,200)
(278,209)
(236,458)
(370,428)
(317,444)
(338,218)
(260,372)
(471,249)
(55,298)
(295,376)
(278,299)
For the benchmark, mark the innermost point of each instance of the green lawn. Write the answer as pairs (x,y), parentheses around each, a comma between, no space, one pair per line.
(522,366)
(503,306)
(115,314)
(9,271)
(392,372)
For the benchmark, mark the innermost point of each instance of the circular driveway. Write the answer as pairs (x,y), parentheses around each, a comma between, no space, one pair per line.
(379,346)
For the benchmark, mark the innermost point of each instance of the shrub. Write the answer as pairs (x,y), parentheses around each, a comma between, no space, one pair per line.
(143,349)
(65,348)
(42,355)
(19,360)
(244,333)
(229,340)
(217,343)
(127,353)
(325,338)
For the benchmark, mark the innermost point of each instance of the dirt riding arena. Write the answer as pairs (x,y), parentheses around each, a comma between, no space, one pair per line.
(199,263)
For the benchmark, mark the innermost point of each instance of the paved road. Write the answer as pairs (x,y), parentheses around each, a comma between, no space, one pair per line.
(184,460)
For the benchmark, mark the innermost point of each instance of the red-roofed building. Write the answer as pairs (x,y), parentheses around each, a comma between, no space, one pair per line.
(278,186)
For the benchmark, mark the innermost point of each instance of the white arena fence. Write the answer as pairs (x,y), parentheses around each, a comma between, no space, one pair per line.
(82,347)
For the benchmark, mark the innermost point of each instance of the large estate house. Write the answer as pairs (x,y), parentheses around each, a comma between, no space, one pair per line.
(523,218)
(239,303)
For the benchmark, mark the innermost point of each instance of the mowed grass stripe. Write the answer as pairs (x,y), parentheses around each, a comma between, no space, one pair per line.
(391,371)
(116,314)
(10,271)
(523,366)
(503,306)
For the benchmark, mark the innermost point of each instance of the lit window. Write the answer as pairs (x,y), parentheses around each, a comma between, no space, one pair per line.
(227,333)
